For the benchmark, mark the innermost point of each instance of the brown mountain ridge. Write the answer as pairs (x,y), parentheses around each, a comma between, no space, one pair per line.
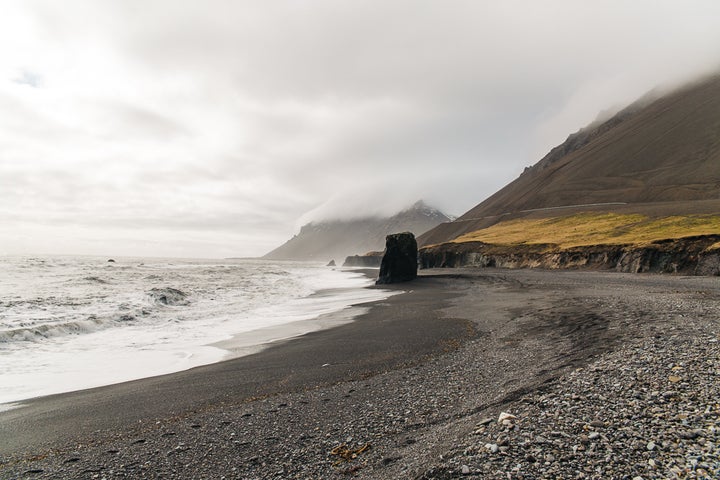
(658,157)
(651,173)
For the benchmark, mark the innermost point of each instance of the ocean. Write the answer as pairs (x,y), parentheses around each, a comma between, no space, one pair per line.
(69,323)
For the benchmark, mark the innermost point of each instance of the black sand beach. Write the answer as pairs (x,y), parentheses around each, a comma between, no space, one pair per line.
(406,391)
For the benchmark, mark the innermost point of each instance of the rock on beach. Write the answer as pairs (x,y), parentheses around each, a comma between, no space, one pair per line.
(399,263)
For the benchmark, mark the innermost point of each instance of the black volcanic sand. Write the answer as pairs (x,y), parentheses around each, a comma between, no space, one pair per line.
(397,393)
(378,341)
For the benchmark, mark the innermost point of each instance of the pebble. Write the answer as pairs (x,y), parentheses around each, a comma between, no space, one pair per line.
(611,384)
(504,417)
(593,417)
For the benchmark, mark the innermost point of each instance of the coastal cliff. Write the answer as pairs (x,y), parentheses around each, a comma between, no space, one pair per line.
(699,255)
(369,260)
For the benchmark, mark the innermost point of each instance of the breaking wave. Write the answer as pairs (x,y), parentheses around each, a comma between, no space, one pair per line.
(73,323)
(45,331)
(168,296)
(96,280)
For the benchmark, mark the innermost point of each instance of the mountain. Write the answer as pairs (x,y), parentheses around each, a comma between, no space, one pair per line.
(659,157)
(338,239)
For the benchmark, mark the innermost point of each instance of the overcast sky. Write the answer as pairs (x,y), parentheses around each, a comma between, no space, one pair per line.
(216,128)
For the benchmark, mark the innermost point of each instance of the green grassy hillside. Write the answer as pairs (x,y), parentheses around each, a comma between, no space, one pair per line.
(594,229)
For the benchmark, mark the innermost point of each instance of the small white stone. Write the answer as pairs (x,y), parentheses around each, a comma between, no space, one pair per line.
(492,447)
(465,470)
(651,445)
(506,416)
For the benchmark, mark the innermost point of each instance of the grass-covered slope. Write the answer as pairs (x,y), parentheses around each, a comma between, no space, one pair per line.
(687,244)
(586,229)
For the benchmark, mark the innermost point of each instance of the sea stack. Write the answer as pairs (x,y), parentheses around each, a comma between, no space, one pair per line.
(399,263)
(369,260)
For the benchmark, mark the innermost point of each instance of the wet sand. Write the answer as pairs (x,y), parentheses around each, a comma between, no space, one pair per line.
(376,341)
(385,396)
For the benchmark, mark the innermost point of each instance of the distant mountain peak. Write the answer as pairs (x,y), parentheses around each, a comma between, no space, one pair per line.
(419,205)
(337,239)
(421,208)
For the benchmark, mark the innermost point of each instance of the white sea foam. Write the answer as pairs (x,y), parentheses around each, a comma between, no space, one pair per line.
(74,323)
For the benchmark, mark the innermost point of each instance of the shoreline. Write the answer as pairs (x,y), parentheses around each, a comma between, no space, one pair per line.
(255,341)
(322,309)
(414,380)
(278,367)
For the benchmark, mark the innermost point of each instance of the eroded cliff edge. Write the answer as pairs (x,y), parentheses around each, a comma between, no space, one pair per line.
(698,255)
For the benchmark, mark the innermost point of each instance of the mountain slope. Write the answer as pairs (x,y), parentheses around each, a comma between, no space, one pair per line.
(655,158)
(338,239)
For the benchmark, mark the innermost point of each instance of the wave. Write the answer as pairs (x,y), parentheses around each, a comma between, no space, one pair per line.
(65,329)
(96,280)
(128,314)
(36,333)
(42,332)
(38,303)
(168,296)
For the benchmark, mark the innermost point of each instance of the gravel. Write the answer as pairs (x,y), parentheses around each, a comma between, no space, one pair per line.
(650,409)
(564,375)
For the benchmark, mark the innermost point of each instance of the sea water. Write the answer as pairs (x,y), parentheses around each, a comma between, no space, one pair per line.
(68,323)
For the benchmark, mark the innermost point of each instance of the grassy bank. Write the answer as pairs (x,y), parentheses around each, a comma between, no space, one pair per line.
(594,229)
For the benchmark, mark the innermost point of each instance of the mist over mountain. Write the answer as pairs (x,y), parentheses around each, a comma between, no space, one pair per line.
(659,156)
(337,239)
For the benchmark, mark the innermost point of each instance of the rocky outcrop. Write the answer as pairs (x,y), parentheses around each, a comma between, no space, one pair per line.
(331,263)
(689,256)
(400,261)
(369,260)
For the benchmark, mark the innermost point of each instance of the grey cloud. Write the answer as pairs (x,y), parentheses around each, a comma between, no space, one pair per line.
(27,77)
(250,117)
(133,120)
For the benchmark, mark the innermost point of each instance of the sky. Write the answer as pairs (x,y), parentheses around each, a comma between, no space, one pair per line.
(217,128)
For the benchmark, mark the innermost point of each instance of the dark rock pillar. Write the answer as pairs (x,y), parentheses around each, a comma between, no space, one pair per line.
(399,263)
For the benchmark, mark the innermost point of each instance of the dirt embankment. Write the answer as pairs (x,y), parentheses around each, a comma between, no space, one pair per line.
(690,256)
